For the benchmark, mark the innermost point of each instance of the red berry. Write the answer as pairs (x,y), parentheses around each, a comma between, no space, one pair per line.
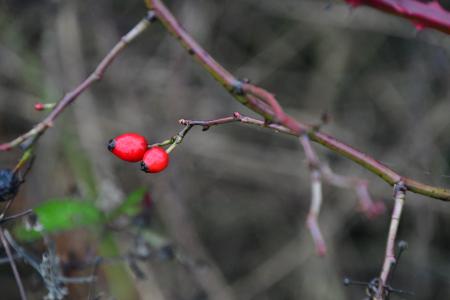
(128,146)
(39,106)
(155,160)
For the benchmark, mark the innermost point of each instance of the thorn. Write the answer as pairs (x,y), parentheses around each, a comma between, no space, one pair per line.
(325,118)
(348,282)
(402,245)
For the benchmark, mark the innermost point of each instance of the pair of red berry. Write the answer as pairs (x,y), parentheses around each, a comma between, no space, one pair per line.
(133,147)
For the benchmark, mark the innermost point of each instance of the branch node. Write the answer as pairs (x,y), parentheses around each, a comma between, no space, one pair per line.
(183,122)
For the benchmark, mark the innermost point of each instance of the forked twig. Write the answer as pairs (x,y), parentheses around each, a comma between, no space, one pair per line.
(389,259)
(321,172)
(236,117)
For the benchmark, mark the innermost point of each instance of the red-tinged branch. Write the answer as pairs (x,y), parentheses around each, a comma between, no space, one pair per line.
(70,97)
(423,15)
(266,108)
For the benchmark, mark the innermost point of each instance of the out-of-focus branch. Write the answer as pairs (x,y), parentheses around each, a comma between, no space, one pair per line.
(20,171)
(70,97)
(5,244)
(16,216)
(264,106)
(389,259)
(360,186)
(321,172)
(423,15)
(316,196)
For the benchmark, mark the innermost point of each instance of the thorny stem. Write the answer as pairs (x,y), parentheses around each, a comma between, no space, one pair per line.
(265,108)
(23,295)
(70,97)
(389,259)
(429,14)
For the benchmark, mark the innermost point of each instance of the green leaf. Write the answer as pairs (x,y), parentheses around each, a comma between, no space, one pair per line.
(131,206)
(62,214)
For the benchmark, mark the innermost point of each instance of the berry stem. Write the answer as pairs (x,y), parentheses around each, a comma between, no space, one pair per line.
(178,138)
(162,144)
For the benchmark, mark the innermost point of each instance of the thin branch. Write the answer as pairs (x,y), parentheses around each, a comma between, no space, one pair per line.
(70,97)
(321,172)
(423,15)
(260,106)
(317,169)
(312,219)
(23,295)
(16,216)
(360,186)
(236,117)
(316,196)
(389,259)
(27,156)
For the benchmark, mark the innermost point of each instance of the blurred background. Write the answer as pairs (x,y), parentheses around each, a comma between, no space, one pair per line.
(233,202)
